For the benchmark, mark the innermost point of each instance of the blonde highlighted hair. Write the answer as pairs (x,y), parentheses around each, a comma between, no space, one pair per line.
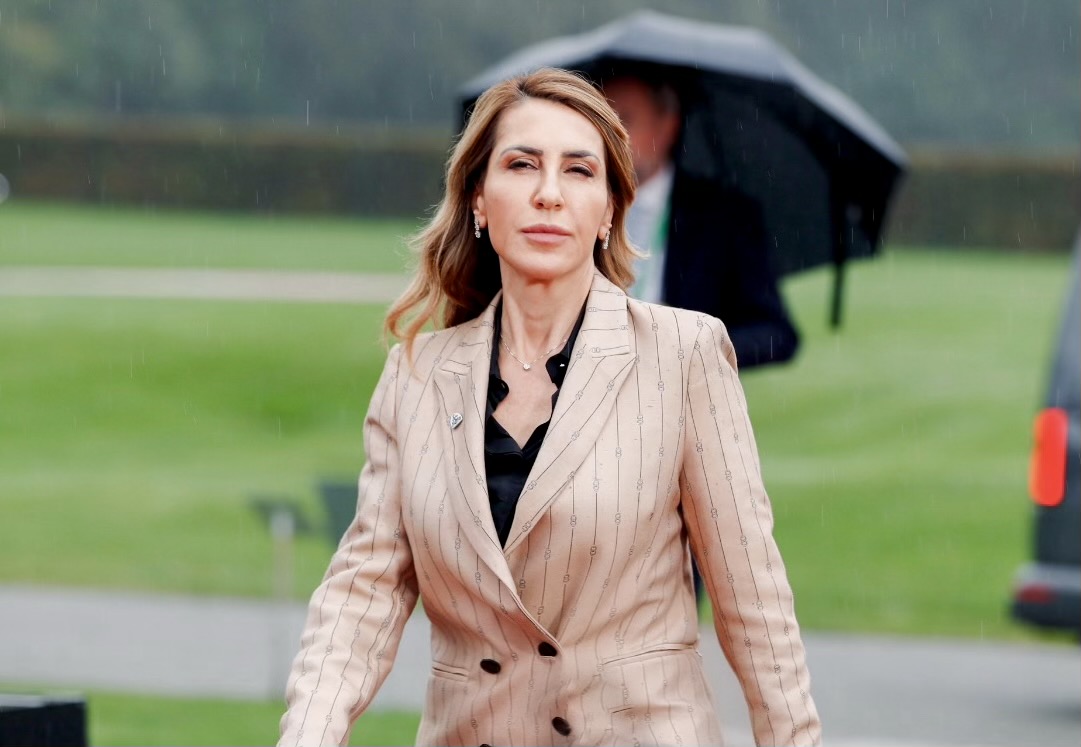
(457,274)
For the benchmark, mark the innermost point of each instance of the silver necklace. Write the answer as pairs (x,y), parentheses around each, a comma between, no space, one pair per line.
(527,366)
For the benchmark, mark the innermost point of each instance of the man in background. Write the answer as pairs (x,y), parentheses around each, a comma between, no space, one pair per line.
(707,244)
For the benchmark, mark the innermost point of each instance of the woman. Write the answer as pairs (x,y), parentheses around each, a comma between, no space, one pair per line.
(539,469)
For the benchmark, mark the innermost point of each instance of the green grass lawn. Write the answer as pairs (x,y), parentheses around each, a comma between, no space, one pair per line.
(55,234)
(134,720)
(121,720)
(134,433)
(896,451)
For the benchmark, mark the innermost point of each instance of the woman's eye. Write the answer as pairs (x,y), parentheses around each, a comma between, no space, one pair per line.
(583,170)
(520,164)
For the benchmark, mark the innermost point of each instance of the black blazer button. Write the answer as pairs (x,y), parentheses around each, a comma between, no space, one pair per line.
(491,666)
(547,649)
(560,725)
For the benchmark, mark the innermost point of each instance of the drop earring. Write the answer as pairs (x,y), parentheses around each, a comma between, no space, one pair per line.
(476,226)
(607,237)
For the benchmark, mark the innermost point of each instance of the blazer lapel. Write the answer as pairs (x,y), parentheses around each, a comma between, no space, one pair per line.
(602,358)
(461,381)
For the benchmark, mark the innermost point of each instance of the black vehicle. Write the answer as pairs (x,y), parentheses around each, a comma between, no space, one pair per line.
(1047,592)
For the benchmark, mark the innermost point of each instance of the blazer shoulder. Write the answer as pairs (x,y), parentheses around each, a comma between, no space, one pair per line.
(662,320)
(671,326)
(429,348)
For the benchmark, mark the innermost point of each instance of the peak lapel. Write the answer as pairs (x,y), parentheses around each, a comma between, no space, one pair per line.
(602,358)
(461,381)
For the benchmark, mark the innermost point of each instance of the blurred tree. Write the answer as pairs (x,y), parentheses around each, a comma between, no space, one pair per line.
(985,73)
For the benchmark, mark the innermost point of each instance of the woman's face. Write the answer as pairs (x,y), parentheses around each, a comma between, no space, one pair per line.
(544,200)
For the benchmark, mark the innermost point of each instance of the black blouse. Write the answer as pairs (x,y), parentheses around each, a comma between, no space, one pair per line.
(506,464)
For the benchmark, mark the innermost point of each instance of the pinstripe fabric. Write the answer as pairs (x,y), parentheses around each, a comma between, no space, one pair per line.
(649,452)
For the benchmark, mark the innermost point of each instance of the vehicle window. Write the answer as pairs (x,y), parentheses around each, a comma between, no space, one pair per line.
(1065,390)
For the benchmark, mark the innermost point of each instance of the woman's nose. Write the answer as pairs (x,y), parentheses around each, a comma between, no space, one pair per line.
(548,194)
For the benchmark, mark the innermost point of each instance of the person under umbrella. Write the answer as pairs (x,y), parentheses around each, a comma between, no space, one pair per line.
(707,245)
(820,171)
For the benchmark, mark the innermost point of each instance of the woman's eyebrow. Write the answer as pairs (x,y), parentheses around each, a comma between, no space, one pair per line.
(580,154)
(527,149)
(531,151)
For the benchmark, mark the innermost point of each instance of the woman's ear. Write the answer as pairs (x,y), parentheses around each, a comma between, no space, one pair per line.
(606,224)
(478,210)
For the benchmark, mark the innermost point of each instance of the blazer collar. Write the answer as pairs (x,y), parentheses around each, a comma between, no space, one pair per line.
(461,382)
(601,359)
(600,362)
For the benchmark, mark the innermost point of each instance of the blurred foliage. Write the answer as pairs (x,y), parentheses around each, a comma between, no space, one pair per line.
(968,72)
(948,199)
(959,200)
(197,165)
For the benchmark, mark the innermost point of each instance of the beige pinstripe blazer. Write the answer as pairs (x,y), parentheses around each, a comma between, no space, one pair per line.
(582,630)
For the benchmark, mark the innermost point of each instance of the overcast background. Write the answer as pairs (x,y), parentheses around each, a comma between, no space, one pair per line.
(986,75)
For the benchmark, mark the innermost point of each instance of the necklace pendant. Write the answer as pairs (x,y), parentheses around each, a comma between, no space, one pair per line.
(526,366)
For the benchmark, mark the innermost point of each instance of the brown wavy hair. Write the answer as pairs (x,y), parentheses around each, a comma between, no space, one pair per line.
(457,274)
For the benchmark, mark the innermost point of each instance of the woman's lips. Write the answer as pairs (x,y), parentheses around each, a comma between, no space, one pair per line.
(546,234)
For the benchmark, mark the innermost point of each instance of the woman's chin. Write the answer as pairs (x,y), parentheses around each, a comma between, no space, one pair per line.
(544,270)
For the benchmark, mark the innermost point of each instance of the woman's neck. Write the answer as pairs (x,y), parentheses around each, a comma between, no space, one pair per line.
(539,316)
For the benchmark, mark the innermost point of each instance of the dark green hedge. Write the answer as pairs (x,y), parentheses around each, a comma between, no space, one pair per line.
(980,200)
(947,199)
(370,172)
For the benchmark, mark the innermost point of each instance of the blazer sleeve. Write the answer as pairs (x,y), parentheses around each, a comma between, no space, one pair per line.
(356,616)
(730,527)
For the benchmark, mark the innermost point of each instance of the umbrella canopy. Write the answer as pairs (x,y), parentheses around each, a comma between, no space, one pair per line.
(756,120)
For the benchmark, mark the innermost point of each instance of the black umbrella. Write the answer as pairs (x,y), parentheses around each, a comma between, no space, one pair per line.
(756,119)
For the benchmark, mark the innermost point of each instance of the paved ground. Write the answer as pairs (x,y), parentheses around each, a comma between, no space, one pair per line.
(874,692)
